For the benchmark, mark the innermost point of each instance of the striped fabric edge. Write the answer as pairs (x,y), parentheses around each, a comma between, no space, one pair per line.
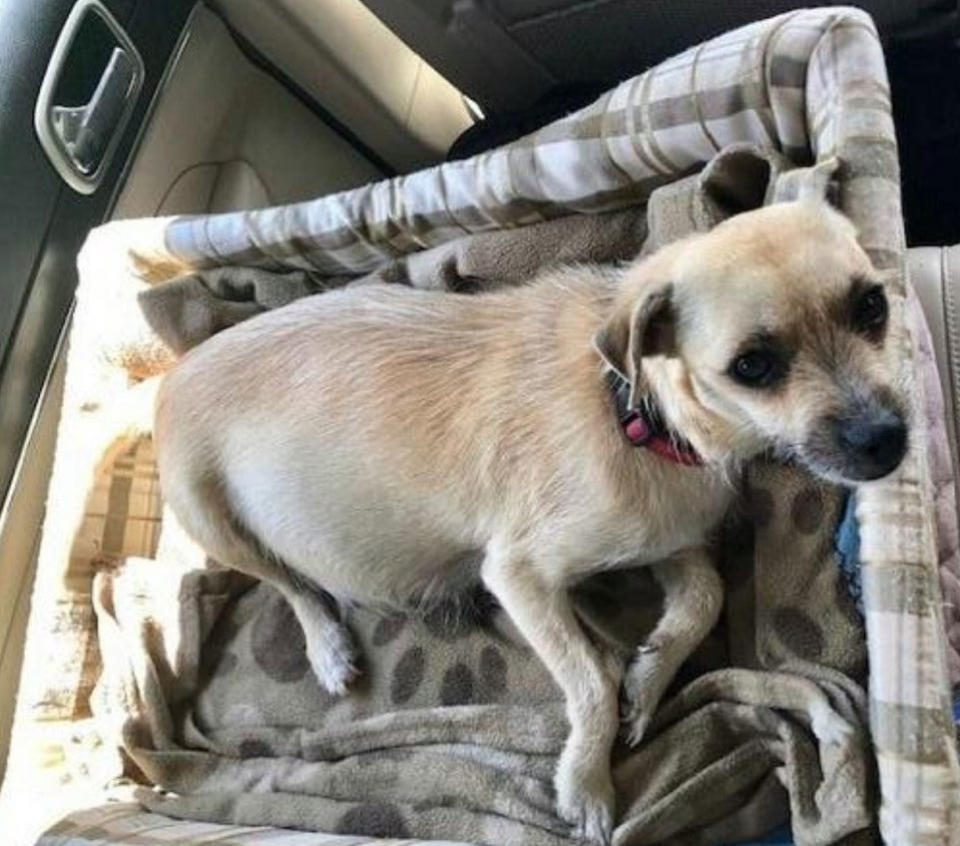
(127,824)
(746,85)
(849,112)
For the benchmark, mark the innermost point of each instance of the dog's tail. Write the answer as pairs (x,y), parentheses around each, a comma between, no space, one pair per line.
(87,442)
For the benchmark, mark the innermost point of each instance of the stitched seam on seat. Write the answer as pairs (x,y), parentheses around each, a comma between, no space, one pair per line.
(951,313)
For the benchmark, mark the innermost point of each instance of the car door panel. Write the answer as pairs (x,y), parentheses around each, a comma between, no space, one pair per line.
(43,221)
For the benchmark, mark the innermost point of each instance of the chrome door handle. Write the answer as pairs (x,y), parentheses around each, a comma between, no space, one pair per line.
(80,138)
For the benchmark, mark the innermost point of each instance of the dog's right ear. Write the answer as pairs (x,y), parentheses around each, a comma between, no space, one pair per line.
(630,335)
(612,340)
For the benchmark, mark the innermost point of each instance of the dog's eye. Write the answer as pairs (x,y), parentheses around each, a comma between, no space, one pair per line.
(755,368)
(870,312)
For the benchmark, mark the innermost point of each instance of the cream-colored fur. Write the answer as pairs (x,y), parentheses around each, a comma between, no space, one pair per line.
(362,441)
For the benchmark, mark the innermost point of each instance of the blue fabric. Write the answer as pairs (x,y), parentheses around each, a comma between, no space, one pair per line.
(846,542)
(778,837)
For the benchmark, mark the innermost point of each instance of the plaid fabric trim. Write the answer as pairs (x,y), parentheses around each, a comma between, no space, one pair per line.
(748,85)
(122,518)
(55,746)
(848,109)
(127,824)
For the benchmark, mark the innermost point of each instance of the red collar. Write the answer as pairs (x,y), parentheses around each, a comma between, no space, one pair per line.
(645,427)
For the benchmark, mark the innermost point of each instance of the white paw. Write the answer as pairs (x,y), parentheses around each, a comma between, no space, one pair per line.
(638,720)
(585,799)
(333,663)
(643,686)
(829,726)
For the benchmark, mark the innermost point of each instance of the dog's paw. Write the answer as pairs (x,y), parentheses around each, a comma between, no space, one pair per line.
(643,686)
(637,720)
(586,801)
(333,663)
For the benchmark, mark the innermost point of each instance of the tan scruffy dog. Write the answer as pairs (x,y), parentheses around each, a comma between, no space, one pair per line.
(361,442)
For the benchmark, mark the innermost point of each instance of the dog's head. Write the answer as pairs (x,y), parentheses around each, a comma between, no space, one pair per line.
(770,330)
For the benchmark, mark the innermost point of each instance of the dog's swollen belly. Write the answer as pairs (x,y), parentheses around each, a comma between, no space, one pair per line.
(349,532)
(366,442)
(355,531)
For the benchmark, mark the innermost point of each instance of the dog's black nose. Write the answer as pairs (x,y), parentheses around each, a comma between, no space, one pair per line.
(874,445)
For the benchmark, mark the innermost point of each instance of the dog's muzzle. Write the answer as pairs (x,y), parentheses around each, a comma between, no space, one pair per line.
(866,443)
(875,447)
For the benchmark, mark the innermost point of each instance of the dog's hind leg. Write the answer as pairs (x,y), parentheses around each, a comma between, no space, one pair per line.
(544,615)
(692,599)
(330,648)
(204,512)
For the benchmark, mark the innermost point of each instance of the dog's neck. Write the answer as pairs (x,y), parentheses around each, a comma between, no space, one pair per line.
(644,426)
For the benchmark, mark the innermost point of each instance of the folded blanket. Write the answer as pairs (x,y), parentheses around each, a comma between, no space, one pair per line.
(453,730)
(185,311)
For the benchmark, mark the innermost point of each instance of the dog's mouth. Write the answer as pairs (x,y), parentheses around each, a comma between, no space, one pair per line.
(857,447)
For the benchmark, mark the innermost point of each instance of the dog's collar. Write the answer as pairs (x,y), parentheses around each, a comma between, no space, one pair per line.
(644,427)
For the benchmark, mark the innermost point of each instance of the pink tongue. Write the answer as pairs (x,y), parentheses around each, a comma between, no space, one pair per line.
(637,430)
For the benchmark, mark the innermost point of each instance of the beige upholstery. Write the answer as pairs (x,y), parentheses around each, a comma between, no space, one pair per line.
(935,273)
(507,53)
(226,136)
(352,64)
(19,536)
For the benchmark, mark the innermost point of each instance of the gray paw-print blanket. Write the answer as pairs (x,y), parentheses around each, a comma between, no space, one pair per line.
(453,729)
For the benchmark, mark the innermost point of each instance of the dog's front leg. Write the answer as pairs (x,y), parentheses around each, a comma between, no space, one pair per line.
(692,599)
(541,609)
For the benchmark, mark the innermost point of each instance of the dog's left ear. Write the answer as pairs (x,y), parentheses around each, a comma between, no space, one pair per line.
(630,336)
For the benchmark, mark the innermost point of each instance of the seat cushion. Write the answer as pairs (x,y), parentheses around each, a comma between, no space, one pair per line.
(935,274)
(343,58)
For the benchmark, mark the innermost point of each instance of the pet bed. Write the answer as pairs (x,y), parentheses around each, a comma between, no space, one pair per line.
(198,675)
